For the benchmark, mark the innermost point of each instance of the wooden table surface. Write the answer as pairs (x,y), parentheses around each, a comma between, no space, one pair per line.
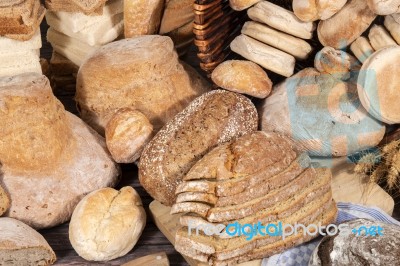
(152,240)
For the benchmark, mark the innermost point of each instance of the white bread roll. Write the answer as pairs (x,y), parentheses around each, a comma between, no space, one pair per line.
(243,77)
(380,38)
(292,45)
(126,134)
(361,48)
(392,23)
(312,10)
(378,88)
(281,19)
(385,7)
(347,25)
(264,55)
(22,245)
(106,224)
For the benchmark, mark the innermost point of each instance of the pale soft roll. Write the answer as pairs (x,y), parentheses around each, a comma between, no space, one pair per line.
(380,38)
(106,224)
(361,48)
(285,42)
(281,19)
(347,25)
(239,5)
(312,10)
(264,55)
(392,23)
(384,7)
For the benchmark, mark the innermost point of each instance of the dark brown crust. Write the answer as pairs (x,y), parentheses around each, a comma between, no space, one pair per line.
(213,118)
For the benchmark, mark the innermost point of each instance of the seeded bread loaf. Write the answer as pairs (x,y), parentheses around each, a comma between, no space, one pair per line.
(21,245)
(213,118)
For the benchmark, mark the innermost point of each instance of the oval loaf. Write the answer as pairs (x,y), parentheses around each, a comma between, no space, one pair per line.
(213,118)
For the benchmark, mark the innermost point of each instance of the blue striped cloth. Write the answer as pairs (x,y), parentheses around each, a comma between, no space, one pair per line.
(300,255)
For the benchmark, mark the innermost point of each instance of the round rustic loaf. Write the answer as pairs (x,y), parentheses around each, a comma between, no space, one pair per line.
(106,224)
(353,249)
(21,245)
(142,73)
(322,114)
(213,118)
(126,134)
(45,195)
(378,85)
(244,77)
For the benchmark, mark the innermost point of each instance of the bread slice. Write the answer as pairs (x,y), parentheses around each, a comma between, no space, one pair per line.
(84,6)
(25,32)
(7,44)
(79,21)
(13,64)
(102,32)
(21,245)
(15,13)
(4,200)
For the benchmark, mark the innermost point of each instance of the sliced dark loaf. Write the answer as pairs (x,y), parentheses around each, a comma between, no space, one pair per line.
(211,119)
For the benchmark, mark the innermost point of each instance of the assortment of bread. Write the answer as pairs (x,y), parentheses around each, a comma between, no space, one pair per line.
(197,150)
(257,178)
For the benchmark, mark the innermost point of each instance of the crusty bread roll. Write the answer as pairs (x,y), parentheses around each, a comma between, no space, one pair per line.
(322,114)
(347,25)
(21,245)
(385,7)
(336,62)
(312,10)
(142,73)
(4,200)
(126,134)
(264,55)
(213,118)
(106,224)
(392,23)
(244,77)
(282,41)
(378,88)
(380,38)
(240,5)
(142,17)
(362,48)
(47,150)
(281,19)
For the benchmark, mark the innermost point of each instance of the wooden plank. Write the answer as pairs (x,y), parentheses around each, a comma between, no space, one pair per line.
(158,259)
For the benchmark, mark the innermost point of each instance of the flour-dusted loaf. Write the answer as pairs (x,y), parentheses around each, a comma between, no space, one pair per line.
(142,73)
(126,134)
(4,200)
(385,7)
(377,87)
(256,178)
(142,17)
(244,77)
(213,118)
(55,154)
(321,113)
(22,246)
(348,248)
(107,223)
(312,10)
(347,25)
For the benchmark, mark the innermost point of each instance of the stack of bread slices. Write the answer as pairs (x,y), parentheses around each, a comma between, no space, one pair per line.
(20,38)
(75,35)
(256,178)
(274,38)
